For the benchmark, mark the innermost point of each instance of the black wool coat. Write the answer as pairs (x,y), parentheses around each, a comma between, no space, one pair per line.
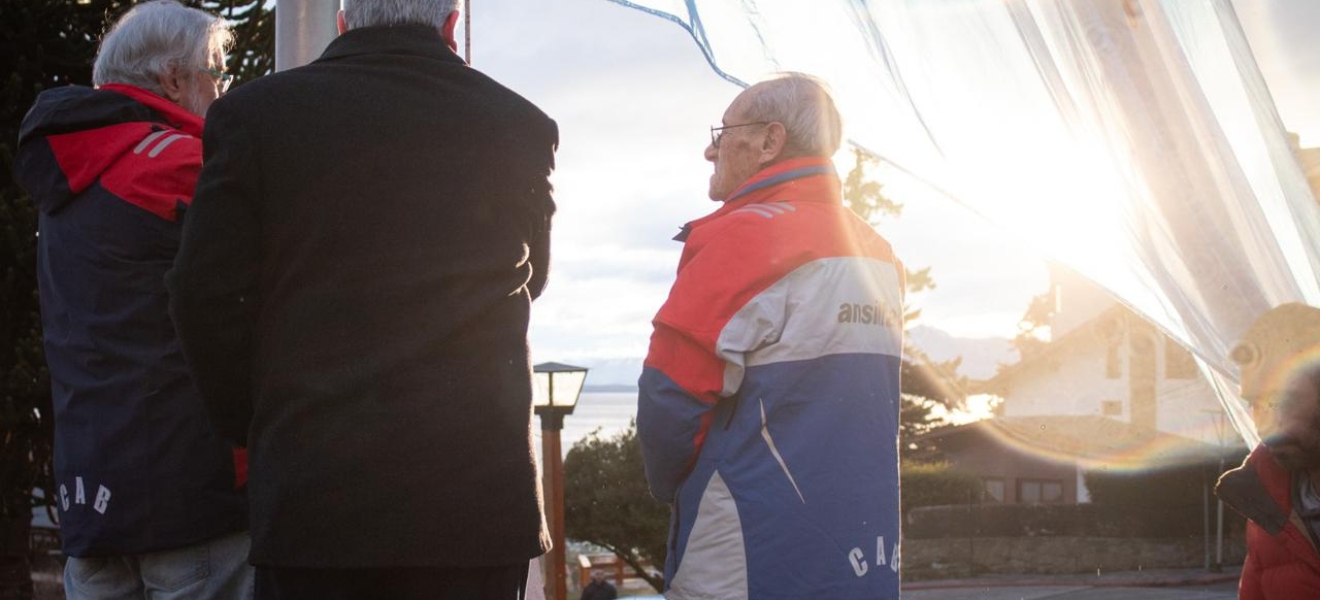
(352,294)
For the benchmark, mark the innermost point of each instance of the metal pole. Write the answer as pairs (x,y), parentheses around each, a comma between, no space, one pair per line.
(1219,530)
(1205,514)
(467,32)
(551,424)
(303,28)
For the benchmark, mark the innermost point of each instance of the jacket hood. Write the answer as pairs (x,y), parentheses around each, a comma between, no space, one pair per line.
(74,134)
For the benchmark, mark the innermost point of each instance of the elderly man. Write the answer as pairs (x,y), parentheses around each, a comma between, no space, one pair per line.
(150,499)
(768,411)
(1278,487)
(353,293)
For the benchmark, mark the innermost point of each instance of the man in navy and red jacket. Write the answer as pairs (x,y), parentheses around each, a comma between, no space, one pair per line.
(149,498)
(1276,488)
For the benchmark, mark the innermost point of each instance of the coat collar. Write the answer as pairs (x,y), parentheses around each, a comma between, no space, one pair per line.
(415,40)
(814,179)
(172,113)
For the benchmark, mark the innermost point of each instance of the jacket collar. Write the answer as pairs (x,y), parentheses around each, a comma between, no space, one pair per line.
(414,40)
(173,114)
(814,179)
(1259,490)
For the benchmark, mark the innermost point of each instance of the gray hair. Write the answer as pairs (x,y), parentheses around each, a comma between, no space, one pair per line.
(804,106)
(153,39)
(372,13)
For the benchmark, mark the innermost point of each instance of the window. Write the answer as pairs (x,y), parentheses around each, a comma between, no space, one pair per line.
(1113,363)
(1040,491)
(1111,408)
(1178,362)
(994,490)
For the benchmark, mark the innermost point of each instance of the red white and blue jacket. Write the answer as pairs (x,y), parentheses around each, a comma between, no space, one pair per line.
(137,467)
(769,402)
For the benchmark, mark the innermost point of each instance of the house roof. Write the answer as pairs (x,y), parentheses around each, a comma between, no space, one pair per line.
(1093,441)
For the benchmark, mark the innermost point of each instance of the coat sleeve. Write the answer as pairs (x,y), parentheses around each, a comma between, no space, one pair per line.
(714,315)
(214,297)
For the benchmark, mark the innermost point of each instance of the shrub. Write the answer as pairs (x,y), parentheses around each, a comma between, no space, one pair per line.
(937,484)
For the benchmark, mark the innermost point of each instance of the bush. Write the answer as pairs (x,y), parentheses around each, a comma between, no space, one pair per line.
(937,484)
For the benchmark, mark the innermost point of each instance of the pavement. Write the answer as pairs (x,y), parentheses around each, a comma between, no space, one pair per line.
(1159,584)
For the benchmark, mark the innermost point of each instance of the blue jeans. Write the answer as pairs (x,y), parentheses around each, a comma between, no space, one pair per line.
(216,569)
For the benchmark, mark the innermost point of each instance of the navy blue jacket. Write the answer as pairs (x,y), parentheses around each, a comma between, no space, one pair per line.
(137,466)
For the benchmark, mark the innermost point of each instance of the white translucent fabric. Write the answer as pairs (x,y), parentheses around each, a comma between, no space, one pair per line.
(1134,141)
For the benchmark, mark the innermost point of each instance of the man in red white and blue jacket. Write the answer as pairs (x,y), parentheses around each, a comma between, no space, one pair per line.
(769,402)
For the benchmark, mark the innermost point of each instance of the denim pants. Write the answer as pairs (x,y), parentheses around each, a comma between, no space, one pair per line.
(216,569)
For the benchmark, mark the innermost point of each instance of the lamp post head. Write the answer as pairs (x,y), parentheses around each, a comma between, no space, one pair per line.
(555,392)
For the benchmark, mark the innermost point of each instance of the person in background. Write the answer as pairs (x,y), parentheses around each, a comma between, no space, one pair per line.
(151,501)
(1277,488)
(599,589)
(769,400)
(353,294)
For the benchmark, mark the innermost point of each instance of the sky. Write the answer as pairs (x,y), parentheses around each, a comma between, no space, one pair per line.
(634,98)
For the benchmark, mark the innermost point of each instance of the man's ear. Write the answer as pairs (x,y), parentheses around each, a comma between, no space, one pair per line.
(171,85)
(339,23)
(447,30)
(775,143)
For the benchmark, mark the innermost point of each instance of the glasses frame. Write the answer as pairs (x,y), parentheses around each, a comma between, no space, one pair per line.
(718,132)
(222,79)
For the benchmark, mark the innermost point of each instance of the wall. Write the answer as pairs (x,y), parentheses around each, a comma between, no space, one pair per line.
(1070,383)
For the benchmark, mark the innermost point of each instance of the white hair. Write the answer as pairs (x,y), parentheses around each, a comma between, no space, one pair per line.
(372,13)
(803,105)
(155,38)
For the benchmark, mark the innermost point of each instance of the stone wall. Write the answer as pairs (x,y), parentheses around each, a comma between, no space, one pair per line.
(960,541)
(954,557)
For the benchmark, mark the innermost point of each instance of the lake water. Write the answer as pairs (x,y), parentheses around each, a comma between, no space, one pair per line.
(610,411)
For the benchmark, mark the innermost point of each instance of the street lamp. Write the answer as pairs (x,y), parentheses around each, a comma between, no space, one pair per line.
(554,396)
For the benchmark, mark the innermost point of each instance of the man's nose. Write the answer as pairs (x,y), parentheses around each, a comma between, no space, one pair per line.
(711,152)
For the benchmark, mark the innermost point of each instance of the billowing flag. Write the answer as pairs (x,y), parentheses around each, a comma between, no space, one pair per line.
(1134,141)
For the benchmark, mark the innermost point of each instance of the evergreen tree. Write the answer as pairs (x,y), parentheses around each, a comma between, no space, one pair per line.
(607,502)
(46,44)
(926,384)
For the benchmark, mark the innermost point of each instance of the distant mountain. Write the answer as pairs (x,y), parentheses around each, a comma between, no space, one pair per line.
(610,388)
(981,356)
(611,374)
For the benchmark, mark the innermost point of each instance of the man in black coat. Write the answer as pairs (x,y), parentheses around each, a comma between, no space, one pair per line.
(352,294)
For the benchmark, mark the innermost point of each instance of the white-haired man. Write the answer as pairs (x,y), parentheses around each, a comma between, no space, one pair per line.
(353,292)
(150,499)
(769,401)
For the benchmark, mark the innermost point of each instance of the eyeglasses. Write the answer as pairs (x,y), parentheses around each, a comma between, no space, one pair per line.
(718,132)
(222,79)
